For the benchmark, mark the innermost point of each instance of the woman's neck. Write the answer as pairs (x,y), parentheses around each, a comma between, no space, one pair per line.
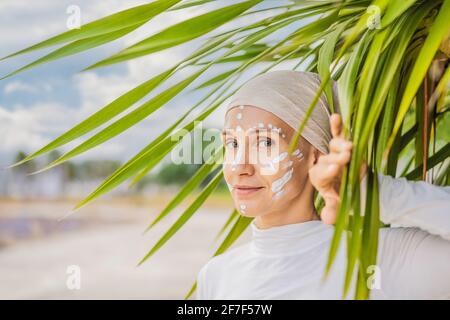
(301,209)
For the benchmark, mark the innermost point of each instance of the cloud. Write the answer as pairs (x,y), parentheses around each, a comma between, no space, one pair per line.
(22,87)
(18,86)
(28,22)
(30,128)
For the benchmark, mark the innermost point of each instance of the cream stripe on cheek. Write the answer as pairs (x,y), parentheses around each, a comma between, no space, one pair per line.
(278,184)
(280,157)
(297,153)
(270,165)
(278,194)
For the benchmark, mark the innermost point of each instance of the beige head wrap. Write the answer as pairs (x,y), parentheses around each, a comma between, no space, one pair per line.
(287,94)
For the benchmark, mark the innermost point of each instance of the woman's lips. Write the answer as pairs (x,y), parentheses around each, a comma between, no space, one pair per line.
(245,190)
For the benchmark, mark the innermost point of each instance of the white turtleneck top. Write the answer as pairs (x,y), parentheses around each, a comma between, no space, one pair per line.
(287,262)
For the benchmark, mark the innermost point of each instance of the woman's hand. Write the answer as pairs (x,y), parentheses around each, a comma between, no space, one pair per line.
(326,174)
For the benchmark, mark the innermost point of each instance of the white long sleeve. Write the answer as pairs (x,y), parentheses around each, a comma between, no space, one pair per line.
(418,204)
(415,259)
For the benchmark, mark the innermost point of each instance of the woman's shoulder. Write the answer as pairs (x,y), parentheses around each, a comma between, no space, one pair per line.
(227,258)
(216,268)
(229,255)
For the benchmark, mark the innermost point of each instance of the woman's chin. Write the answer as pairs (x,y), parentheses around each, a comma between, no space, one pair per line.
(249,209)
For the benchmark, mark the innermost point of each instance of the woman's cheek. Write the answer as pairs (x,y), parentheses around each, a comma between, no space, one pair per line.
(227,174)
(280,169)
(280,185)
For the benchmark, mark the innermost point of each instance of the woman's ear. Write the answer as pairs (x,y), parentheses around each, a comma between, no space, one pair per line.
(312,154)
(316,154)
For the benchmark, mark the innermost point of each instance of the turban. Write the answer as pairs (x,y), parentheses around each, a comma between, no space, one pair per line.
(287,94)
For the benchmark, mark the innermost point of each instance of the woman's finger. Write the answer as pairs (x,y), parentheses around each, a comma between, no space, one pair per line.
(333,170)
(341,158)
(322,175)
(336,125)
(340,145)
(329,212)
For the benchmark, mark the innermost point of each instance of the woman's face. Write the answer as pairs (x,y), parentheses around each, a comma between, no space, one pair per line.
(261,175)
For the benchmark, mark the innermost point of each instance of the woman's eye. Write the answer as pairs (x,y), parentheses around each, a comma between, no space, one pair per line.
(265,142)
(231,144)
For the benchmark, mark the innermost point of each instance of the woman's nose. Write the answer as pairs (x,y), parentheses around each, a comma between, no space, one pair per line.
(244,169)
(241,164)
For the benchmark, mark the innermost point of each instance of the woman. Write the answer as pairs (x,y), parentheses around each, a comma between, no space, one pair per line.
(289,247)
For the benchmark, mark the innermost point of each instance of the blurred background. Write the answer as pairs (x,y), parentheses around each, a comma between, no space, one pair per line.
(40,239)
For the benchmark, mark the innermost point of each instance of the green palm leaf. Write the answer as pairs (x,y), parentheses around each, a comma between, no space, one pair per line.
(186,215)
(133,17)
(180,33)
(210,165)
(439,30)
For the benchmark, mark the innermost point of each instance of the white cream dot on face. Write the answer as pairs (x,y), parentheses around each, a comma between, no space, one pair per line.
(283,135)
(261,125)
(277,130)
(239,116)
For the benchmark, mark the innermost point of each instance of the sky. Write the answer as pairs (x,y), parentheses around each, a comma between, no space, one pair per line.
(39,104)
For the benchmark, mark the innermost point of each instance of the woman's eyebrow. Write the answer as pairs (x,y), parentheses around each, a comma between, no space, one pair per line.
(227,131)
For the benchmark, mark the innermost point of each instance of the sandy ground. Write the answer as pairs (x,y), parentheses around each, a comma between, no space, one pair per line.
(106,249)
